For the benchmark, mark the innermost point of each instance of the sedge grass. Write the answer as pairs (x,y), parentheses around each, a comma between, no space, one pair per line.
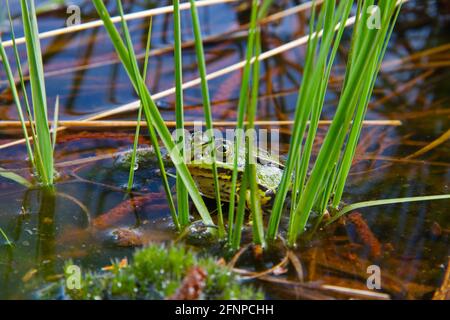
(38,93)
(15,177)
(309,106)
(255,201)
(350,148)
(316,190)
(243,100)
(8,242)
(16,99)
(382,202)
(207,111)
(41,155)
(330,169)
(132,124)
(139,116)
(136,75)
(151,112)
(132,106)
(357,88)
(248,188)
(182,194)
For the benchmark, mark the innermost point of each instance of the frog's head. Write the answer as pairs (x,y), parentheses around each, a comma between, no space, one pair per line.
(268,169)
(199,148)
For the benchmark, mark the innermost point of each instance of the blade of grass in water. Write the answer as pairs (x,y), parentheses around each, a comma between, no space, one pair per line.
(356,89)
(152,115)
(243,99)
(328,47)
(38,93)
(22,81)
(238,226)
(355,132)
(9,243)
(182,194)
(136,76)
(366,204)
(249,177)
(318,102)
(207,110)
(311,48)
(310,91)
(55,123)
(15,177)
(16,98)
(251,163)
(139,117)
(42,164)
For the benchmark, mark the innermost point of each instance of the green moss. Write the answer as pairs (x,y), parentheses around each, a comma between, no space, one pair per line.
(156,272)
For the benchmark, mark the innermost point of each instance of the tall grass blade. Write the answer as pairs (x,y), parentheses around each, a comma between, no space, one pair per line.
(8,242)
(357,88)
(15,177)
(243,100)
(328,47)
(182,194)
(240,216)
(255,201)
(152,115)
(39,97)
(382,202)
(22,81)
(207,110)
(141,88)
(55,123)
(139,117)
(355,132)
(16,98)
(309,97)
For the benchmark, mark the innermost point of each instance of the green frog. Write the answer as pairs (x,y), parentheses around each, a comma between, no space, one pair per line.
(269,170)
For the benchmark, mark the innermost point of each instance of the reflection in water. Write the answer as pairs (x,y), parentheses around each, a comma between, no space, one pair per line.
(46,245)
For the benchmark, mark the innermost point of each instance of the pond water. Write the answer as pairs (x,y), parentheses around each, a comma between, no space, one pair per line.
(409,241)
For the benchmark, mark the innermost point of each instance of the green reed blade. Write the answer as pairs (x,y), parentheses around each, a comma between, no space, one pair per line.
(381,202)
(255,202)
(16,98)
(355,132)
(353,93)
(55,123)
(182,194)
(22,80)
(8,242)
(152,114)
(243,100)
(328,47)
(141,88)
(139,117)
(342,14)
(207,110)
(239,223)
(308,92)
(15,177)
(38,93)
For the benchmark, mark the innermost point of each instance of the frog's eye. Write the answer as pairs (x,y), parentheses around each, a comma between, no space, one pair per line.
(223,149)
